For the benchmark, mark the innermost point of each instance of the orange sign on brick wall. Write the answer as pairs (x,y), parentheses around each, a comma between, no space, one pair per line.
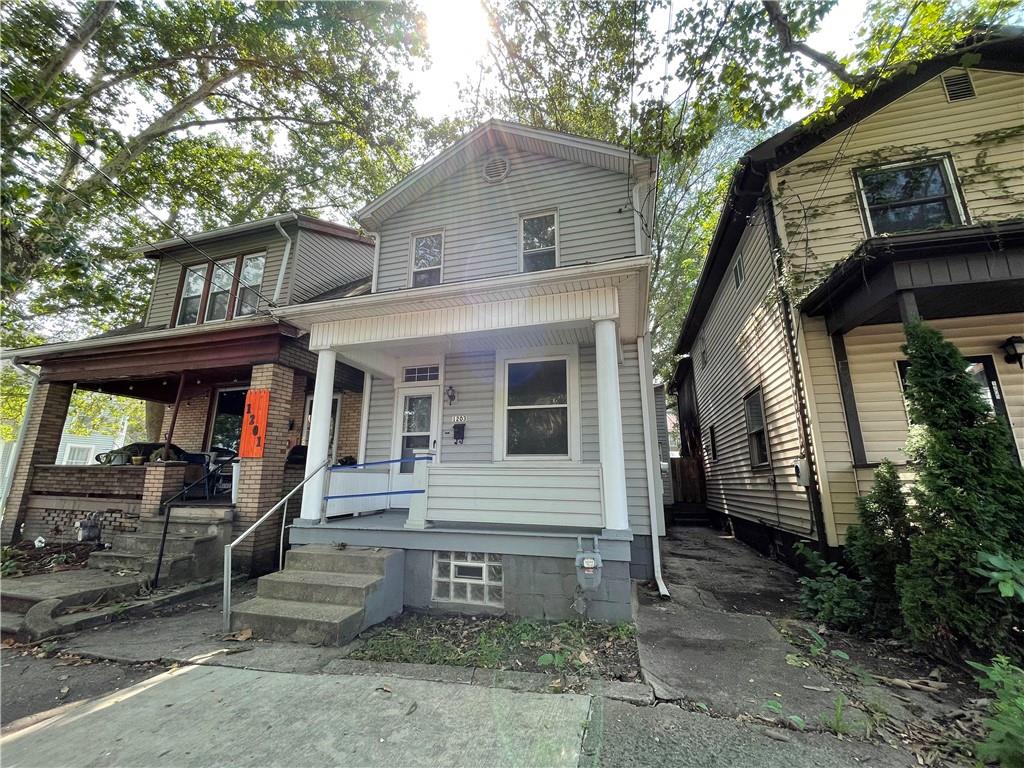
(254,424)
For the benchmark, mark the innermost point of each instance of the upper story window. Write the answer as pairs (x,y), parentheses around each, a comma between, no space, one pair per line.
(220,290)
(908,197)
(427,259)
(539,238)
(249,281)
(757,434)
(737,270)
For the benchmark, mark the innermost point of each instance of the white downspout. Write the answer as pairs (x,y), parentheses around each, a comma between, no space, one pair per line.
(653,497)
(376,261)
(284,259)
(13,458)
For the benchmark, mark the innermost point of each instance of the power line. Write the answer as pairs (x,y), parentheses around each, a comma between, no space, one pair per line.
(180,235)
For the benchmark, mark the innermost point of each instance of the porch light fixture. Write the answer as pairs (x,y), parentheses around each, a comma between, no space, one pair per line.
(450,393)
(1013,348)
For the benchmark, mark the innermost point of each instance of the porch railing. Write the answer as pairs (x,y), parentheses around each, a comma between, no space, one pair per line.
(365,488)
(248,531)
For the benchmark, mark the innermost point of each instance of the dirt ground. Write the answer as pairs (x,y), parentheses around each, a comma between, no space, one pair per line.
(26,559)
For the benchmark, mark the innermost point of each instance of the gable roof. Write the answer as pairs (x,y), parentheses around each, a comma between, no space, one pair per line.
(155,250)
(1002,51)
(495,134)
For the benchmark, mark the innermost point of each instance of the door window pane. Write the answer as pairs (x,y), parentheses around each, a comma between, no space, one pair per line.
(417,413)
(249,282)
(191,295)
(409,444)
(220,290)
(227,420)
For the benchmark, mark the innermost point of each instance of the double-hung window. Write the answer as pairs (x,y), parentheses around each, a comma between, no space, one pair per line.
(537,407)
(539,238)
(757,434)
(909,197)
(427,259)
(249,280)
(222,280)
(192,286)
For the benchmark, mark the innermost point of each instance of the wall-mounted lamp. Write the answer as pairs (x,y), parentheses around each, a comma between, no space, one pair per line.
(1013,349)
(450,393)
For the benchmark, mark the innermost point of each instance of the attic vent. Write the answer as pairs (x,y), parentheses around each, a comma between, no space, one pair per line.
(958,86)
(495,169)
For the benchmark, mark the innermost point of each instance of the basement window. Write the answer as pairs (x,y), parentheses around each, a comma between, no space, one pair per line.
(468,577)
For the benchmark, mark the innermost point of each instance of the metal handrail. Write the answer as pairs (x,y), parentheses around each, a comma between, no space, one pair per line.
(165,510)
(229,547)
(343,467)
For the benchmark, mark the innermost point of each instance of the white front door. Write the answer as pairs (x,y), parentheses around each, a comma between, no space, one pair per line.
(416,423)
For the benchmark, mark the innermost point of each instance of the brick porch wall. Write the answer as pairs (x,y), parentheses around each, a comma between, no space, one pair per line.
(45,423)
(193,418)
(351,418)
(260,480)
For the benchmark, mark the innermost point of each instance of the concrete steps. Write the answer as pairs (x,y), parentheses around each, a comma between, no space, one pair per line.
(193,549)
(325,595)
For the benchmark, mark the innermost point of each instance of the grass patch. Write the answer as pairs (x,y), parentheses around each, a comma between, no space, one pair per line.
(588,649)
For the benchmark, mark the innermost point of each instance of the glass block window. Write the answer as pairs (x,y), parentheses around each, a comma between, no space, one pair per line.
(421,373)
(468,577)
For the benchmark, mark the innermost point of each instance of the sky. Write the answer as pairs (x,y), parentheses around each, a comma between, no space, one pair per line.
(458,34)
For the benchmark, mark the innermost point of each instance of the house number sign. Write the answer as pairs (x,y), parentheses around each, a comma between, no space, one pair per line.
(459,419)
(254,424)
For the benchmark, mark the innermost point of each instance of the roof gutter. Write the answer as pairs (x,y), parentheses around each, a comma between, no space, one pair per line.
(284,259)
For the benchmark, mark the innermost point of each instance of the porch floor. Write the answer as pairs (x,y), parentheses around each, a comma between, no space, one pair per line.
(394,520)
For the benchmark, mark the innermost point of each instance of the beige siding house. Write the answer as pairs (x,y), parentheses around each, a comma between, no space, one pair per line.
(909,205)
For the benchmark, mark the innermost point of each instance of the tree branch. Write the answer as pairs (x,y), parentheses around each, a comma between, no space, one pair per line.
(62,59)
(780,24)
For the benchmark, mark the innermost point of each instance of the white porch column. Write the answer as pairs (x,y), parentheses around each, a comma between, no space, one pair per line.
(609,423)
(319,434)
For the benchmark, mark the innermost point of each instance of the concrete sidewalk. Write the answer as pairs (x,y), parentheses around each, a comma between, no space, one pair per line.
(209,716)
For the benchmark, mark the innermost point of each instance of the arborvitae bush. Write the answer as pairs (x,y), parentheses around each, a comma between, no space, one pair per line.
(879,544)
(968,498)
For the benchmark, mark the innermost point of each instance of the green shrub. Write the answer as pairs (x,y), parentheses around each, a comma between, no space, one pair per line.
(829,595)
(880,544)
(1004,743)
(968,495)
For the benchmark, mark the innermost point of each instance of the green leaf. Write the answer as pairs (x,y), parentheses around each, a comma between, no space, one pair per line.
(546,660)
(773,706)
(970,59)
(1006,588)
(841,655)
(798,721)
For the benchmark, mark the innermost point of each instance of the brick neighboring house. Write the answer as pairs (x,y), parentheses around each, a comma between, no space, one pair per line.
(207,338)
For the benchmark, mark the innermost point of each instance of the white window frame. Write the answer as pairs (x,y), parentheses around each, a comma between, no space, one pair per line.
(332,450)
(757,392)
(413,387)
(569,353)
(91,449)
(185,270)
(219,266)
(213,410)
(558,242)
(412,256)
(738,272)
(239,286)
(951,176)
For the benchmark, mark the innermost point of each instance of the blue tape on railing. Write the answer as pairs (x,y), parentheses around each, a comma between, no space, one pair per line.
(380,463)
(361,495)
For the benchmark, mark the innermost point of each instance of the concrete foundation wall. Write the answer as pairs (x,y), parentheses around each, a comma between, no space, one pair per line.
(534,587)
(641,559)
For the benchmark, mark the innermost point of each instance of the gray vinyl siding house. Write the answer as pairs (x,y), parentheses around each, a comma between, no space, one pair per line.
(531,388)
